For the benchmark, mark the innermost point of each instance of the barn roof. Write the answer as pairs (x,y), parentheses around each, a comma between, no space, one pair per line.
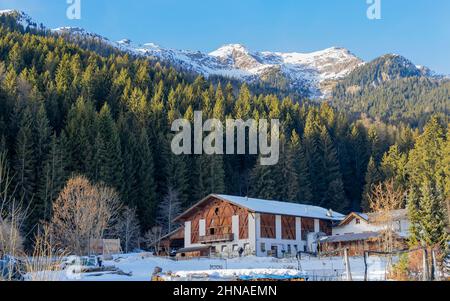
(273,207)
(350,237)
(372,218)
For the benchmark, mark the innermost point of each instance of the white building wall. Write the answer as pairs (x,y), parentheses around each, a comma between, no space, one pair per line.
(258,235)
(187,234)
(316,226)
(252,232)
(352,227)
(252,245)
(235,227)
(202,227)
(298,229)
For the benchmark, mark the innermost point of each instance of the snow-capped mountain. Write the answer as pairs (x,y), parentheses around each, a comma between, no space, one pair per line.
(315,72)
(21,18)
(299,70)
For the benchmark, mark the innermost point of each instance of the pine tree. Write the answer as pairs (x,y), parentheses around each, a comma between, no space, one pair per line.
(394,166)
(373,177)
(53,178)
(41,148)
(177,177)
(146,203)
(431,226)
(305,195)
(109,153)
(376,148)
(24,166)
(286,174)
(81,133)
(313,156)
(359,155)
(242,107)
(427,196)
(262,182)
(333,195)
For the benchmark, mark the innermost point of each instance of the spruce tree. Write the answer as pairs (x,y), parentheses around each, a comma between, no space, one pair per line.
(333,195)
(53,178)
(109,153)
(263,183)
(372,178)
(305,195)
(25,163)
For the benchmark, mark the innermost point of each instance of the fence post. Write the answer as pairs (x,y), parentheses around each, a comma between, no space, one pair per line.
(435,275)
(366,255)
(347,265)
(425,264)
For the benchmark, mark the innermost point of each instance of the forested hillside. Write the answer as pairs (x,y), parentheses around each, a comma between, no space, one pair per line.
(393,89)
(66,111)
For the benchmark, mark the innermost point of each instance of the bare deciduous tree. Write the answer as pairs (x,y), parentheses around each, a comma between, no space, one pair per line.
(128,229)
(152,238)
(384,200)
(12,215)
(169,209)
(83,212)
(45,263)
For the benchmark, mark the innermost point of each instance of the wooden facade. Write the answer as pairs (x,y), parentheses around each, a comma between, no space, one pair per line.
(268,226)
(228,226)
(218,218)
(355,248)
(288,231)
(307,227)
(326,227)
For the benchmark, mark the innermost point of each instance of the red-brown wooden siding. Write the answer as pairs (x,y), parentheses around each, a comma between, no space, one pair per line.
(307,227)
(268,228)
(218,215)
(288,228)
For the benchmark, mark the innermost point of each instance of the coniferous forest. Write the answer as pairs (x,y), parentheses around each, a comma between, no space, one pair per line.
(81,109)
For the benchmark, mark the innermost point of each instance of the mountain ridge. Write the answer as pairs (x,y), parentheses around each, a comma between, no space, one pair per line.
(317,72)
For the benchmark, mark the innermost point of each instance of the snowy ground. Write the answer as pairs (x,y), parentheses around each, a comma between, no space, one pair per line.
(142,266)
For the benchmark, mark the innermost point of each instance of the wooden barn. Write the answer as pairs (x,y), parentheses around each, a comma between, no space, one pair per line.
(173,241)
(230,225)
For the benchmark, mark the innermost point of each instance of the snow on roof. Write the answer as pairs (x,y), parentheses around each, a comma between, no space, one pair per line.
(282,208)
(350,237)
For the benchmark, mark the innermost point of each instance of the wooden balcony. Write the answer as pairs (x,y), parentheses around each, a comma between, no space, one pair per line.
(216,238)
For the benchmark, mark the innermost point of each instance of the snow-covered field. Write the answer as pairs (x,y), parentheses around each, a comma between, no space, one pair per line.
(141,267)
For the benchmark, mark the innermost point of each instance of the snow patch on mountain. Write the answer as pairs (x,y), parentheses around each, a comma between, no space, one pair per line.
(316,71)
(21,18)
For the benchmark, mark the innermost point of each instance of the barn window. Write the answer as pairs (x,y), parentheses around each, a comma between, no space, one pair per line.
(263,247)
(216,212)
(307,227)
(268,226)
(358,221)
(288,227)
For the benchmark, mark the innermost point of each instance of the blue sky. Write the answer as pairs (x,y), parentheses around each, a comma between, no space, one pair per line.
(417,29)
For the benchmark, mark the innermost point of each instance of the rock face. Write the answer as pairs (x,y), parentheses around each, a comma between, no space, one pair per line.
(298,70)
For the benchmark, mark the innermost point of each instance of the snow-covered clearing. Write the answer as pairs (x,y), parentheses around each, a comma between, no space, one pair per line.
(142,266)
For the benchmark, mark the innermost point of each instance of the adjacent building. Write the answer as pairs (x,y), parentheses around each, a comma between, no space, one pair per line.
(230,225)
(359,232)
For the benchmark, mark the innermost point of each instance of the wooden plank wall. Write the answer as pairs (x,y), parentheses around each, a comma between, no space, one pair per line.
(307,227)
(218,216)
(288,231)
(268,226)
